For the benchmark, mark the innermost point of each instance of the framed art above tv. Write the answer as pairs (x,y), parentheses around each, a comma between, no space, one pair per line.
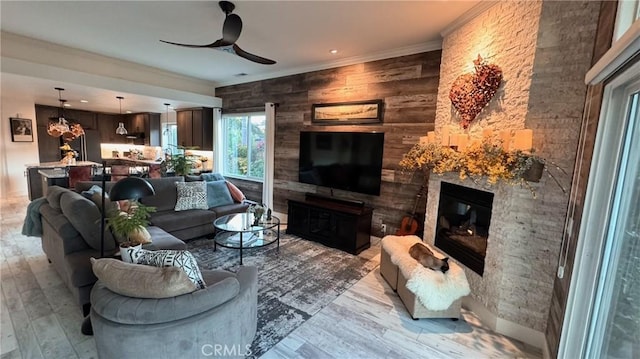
(347,113)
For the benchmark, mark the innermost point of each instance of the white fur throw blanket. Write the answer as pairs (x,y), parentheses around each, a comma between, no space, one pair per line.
(434,289)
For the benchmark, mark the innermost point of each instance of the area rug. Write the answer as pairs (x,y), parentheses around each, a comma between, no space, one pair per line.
(294,283)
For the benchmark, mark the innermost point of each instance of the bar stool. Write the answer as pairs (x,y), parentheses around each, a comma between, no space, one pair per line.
(78,174)
(119,172)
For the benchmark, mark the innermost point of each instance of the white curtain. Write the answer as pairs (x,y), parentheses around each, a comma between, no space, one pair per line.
(267,189)
(217,137)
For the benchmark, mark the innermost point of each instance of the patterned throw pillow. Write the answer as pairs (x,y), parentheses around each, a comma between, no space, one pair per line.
(191,195)
(172,258)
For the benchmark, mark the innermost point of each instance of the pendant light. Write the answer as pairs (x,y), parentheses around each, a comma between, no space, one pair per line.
(57,128)
(121,130)
(166,128)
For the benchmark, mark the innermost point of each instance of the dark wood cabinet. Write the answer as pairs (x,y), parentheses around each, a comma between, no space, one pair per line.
(341,224)
(107,124)
(143,128)
(195,128)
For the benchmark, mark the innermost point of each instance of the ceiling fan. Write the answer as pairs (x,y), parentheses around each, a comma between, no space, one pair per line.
(230,32)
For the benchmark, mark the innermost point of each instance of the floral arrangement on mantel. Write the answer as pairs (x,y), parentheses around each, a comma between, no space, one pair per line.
(486,158)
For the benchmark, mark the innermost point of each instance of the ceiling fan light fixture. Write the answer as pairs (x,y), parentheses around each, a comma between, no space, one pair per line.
(231,29)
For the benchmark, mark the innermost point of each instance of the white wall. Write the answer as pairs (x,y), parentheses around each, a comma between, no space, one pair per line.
(14,155)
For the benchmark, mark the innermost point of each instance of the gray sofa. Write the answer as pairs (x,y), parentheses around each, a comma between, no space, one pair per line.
(71,230)
(185,225)
(223,316)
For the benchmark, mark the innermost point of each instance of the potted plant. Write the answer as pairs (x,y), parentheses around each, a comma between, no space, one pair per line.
(181,163)
(129,225)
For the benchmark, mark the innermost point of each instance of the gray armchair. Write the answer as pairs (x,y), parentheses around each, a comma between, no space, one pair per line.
(222,317)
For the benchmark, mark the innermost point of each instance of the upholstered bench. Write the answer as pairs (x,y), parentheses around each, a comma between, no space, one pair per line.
(439,295)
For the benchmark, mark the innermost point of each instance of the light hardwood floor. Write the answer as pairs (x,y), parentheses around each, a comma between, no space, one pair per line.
(38,318)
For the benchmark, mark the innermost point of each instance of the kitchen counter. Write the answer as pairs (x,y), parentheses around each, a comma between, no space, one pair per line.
(35,178)
(53,173)
(60,164)
(132,161)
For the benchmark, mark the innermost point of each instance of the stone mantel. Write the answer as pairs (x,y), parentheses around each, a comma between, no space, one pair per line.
(516,258)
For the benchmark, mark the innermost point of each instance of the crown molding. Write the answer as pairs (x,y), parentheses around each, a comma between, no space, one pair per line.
(397,52)
(469,15)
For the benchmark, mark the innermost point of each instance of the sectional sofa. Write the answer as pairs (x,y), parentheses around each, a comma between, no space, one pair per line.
(71,230)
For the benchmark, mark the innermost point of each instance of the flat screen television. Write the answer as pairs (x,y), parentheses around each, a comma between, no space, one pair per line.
(350,161)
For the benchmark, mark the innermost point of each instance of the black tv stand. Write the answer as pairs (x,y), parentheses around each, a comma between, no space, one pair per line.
(339,223)
(348,202)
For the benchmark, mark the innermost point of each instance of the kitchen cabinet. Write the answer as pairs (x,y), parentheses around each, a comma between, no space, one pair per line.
(195,128)
(142,128)
(107,124)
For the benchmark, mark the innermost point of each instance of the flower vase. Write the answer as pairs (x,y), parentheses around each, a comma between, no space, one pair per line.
(534,173)
(128,251)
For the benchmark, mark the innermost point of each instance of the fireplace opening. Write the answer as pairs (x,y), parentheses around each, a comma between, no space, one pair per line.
(464,216)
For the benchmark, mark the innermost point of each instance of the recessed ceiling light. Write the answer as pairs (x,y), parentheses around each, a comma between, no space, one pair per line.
(128,111)
(67,105)
(84,101)
(333,51)
(241,74)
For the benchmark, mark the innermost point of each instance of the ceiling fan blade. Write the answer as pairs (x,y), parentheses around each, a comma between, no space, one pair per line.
(215,44)
(251,57)
(231,29)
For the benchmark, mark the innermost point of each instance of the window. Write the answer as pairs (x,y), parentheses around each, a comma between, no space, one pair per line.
(243,147)
(628,13)
(170,137)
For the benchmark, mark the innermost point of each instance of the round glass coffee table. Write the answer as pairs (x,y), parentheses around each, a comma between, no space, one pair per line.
(237,231)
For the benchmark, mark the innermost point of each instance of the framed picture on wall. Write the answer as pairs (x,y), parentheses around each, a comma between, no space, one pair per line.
(21,129)
(347,113)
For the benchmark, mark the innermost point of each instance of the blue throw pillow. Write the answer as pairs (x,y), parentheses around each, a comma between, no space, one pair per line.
(95,194)
(215,176)
(218,194)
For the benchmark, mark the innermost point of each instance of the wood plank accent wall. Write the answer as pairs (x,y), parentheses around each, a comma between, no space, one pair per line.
(590,119)
(408,85)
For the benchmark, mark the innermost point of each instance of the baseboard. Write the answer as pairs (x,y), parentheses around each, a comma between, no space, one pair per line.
(503,326)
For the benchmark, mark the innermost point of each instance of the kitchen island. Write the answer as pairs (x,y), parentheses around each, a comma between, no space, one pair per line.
(39,175)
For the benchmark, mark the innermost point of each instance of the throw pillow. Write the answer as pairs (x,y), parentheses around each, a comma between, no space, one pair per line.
(172,258)
(191,195)
(218,194)
(236,193)
(140,281)
(215,176)
(94,194)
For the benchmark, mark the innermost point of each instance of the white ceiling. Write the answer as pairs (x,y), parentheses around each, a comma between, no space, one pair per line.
(296,34)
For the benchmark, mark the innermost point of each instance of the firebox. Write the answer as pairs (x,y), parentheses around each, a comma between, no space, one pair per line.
(464,216)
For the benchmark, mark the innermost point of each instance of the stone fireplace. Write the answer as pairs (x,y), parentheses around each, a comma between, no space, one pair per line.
(462,228)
